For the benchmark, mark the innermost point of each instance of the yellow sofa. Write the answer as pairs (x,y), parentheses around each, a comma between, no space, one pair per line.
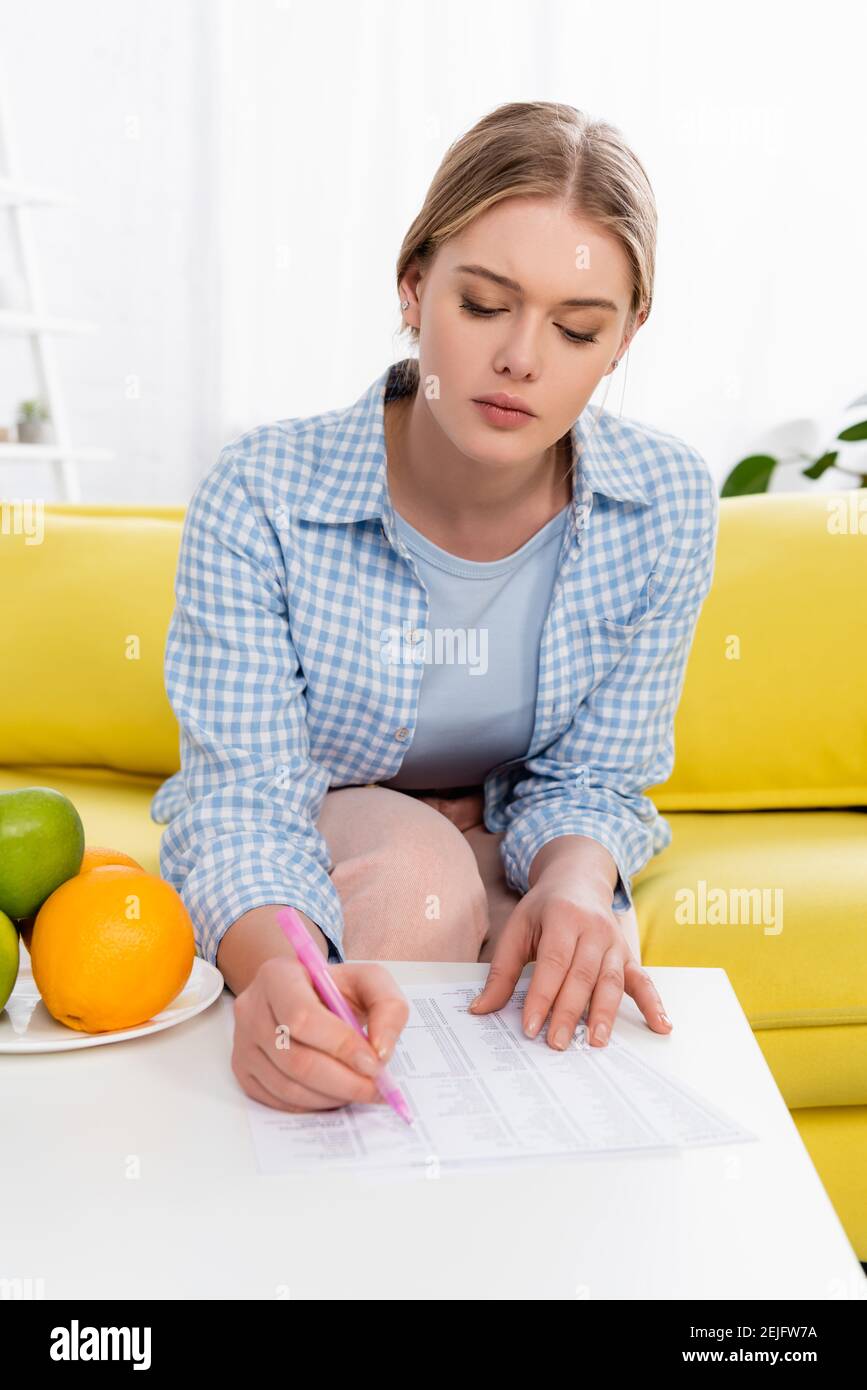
(766,874)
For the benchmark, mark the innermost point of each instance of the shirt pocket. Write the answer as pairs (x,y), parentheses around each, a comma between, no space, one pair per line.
(610,640)
(610,634)
(618,629)
(634,616)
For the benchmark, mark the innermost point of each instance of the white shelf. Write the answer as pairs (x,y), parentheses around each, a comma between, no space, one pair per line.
(37,453)
(14,194)
(21,321)
(28,317)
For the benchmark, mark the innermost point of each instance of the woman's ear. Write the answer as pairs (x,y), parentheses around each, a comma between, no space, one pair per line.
(410,291)
(628,335)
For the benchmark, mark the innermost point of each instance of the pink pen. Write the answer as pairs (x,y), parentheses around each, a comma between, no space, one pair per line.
(311,958)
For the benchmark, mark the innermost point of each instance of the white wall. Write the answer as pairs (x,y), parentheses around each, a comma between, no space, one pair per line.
(111,101)
(749,118)
(239,253)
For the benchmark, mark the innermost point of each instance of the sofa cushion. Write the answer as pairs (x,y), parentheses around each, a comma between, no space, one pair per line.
(89,608)
(772,713)
(778,899)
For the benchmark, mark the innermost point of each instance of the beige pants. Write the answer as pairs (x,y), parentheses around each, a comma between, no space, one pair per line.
(419,876)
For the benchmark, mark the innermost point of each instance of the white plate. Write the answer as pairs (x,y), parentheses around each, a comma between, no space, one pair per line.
(27,1026)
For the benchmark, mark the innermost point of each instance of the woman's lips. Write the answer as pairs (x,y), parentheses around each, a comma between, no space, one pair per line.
(496,415)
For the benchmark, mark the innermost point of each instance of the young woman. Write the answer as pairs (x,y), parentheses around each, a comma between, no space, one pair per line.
(427,649)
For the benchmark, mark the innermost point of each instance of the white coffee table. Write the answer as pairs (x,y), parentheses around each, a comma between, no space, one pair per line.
(133,1175)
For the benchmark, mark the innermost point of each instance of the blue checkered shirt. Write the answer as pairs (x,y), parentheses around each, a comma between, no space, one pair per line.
(289,573)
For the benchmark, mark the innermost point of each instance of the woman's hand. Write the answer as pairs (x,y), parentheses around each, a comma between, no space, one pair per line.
(581,954)
(291,1052)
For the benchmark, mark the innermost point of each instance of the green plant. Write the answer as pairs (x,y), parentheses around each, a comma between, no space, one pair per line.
(753,473)
(32,410)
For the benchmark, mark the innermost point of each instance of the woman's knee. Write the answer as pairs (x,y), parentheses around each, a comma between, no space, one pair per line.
(433,866)
(412,889)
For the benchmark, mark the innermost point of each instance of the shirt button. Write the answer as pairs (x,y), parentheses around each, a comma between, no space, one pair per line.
(401,735)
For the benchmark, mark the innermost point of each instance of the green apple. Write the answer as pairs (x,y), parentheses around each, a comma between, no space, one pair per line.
(41,846)
(9,958)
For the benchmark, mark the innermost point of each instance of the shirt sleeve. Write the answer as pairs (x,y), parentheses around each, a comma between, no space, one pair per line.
(621,738)
(245,834)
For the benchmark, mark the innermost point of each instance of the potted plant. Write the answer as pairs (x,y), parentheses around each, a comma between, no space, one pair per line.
(32,417)
(753,473)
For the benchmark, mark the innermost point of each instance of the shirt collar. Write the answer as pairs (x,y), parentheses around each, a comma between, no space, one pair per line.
(349,483)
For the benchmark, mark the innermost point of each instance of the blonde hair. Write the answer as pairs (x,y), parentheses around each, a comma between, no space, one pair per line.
(541,148)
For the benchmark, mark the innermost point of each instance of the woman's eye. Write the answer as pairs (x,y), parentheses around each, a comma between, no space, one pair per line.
(477,308)
(488,313)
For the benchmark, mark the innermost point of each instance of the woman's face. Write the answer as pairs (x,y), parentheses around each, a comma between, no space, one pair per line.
(527,342)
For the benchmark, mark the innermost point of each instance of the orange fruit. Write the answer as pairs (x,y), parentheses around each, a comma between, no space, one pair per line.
(93,858)
(110,948)
(95,855)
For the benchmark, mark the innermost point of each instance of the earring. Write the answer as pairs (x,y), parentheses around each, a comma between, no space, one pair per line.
(404,304)
(614,363)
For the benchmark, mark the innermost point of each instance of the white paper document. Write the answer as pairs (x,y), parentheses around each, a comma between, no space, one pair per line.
(479,1090)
